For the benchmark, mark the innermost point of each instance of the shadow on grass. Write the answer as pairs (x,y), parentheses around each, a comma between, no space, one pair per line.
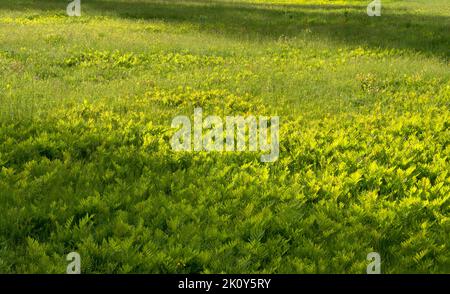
(347,24)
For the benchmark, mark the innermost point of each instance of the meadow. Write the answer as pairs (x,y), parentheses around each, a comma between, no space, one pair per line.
(86,105)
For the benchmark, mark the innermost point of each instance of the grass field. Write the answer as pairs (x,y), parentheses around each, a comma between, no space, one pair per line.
(86,105)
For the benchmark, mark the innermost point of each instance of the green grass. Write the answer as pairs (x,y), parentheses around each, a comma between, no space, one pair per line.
(86,165)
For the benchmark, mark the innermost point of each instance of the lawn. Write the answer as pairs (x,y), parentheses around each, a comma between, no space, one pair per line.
(86,164)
